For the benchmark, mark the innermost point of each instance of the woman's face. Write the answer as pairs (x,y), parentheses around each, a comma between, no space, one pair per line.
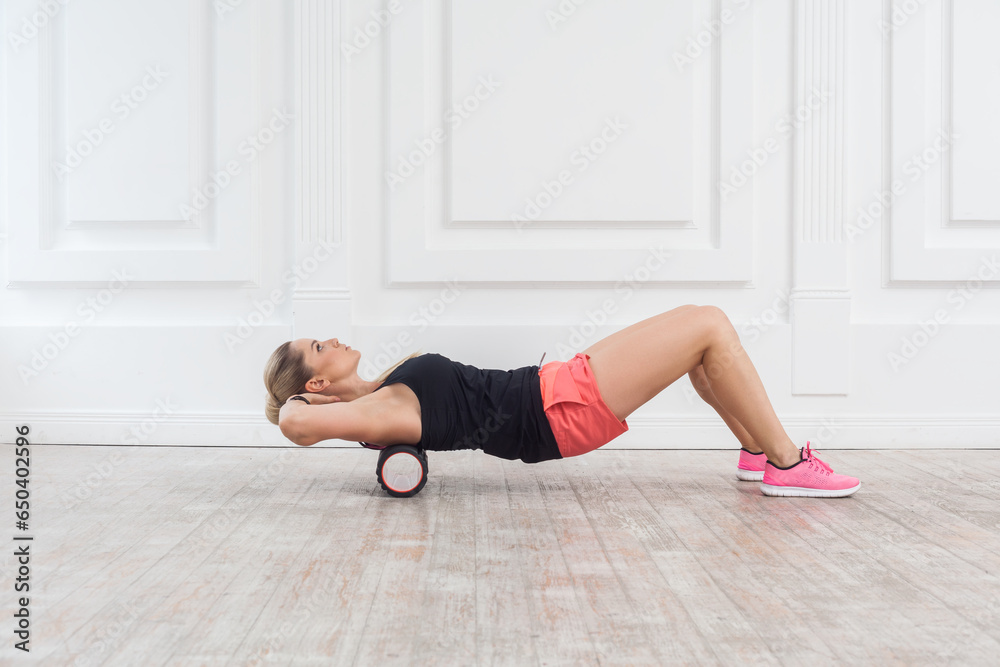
(329,359)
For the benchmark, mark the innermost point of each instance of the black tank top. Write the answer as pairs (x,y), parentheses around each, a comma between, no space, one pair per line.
(464,407)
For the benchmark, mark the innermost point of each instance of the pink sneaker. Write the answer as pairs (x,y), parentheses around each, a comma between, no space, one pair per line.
(809,477)
(751,466)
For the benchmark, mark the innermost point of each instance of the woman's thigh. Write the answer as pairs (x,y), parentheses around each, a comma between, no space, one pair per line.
(635,364)
(632,328)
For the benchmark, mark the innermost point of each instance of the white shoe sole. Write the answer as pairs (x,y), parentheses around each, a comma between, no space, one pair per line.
(772,490)
(749,475)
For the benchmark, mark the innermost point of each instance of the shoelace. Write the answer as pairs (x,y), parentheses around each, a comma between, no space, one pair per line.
(810,455)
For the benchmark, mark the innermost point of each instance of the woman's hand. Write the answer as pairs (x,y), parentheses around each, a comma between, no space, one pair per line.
(316,399)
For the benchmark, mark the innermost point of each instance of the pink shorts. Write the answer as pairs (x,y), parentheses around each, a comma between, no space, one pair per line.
(579,417)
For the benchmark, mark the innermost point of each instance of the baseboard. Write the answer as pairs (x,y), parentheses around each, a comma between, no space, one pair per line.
(823,431)
(143,428)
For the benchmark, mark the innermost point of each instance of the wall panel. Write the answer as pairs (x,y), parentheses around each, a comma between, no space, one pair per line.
(473,142)
(942,144)
(129,163)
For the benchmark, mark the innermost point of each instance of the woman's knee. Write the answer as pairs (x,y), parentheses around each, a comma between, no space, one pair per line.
(699,380)
(716,321)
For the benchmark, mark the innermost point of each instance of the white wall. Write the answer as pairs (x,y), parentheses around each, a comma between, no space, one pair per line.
(836,100)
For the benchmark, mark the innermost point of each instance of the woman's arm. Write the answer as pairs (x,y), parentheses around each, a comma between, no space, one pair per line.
(308,424)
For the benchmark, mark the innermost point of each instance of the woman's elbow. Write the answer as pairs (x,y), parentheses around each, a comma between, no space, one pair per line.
(291,430)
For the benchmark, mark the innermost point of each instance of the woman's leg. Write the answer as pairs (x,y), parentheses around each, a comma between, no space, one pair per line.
(637,363)
(632,328)
(699,379)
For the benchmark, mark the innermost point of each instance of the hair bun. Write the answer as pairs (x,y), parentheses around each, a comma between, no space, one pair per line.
(272,409)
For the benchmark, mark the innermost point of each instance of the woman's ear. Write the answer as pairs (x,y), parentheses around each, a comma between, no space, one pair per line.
(315,386)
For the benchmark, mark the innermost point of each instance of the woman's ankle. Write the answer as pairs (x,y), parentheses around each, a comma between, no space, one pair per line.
(786,458)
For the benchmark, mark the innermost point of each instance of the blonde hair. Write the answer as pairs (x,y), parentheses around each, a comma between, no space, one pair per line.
(286,373)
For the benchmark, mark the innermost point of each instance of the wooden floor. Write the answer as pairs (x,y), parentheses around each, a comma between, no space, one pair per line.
(221,556)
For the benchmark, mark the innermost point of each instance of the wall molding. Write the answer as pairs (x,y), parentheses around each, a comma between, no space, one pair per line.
(820,174)
(332,294)
(318,138)
(226,254)
(809,293)
(947,114)
(325,307)
(820,299)
(417,55)
(918,107)
(203,45)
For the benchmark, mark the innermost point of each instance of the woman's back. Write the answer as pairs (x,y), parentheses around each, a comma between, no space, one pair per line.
(465,407)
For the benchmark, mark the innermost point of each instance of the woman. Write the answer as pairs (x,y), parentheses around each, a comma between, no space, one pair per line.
(554,411)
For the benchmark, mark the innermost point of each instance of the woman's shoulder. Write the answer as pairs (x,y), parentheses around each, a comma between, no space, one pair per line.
(424,359)
(415,366)
(434,362)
